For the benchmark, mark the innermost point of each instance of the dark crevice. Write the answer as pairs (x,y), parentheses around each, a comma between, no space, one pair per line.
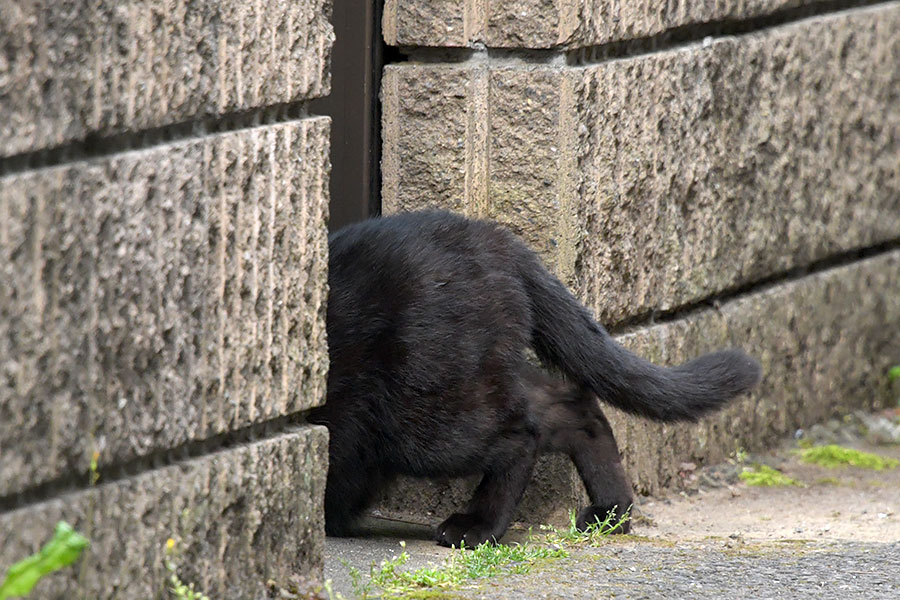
(714,301)
(699,32)
(431,54)
(160,458)
(94,146)
(669,39)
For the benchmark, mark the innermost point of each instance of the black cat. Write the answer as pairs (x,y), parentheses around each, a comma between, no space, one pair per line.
(429,318)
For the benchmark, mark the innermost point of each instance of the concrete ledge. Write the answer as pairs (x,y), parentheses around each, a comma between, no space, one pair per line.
(240,518)
(160,297)
(555,23)
(73,68)
(825,349)
(654,182)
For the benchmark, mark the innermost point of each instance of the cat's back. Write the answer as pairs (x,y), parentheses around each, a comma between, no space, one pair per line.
(409,290)
(416,249)
(418,236)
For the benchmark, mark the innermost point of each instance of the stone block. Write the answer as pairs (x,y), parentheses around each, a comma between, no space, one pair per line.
(69,68)
(568,24)
(159,297)
(658,181)
(240,518)
(825,351)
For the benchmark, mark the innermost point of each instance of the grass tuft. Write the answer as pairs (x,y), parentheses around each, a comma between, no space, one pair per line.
(595,533)
(485,560)
(764,475)
(833,456)
(391,580)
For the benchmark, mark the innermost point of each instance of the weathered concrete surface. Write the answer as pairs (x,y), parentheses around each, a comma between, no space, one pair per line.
(555,23)
(239,517)
(69,68)
(712,167)
(825,343)
(652,182)
(160,296)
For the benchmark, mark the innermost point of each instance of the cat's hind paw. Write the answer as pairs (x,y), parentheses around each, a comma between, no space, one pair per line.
(464,530)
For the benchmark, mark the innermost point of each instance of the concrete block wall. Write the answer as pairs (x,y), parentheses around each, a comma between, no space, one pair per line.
(163,253)
(700,176)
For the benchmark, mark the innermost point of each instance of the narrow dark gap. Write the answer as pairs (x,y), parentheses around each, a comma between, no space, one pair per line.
(666,40)
(698,32)
(157,459)
(94,146)
(822,265)
(358,57)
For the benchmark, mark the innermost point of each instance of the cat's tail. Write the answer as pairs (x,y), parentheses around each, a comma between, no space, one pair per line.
(566,336)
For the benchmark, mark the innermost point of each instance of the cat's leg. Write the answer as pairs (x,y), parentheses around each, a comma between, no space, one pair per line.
(353,482)
(596,456)
(497,496)
(572,423)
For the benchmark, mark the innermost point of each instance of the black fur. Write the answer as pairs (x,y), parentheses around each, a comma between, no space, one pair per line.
(429,317)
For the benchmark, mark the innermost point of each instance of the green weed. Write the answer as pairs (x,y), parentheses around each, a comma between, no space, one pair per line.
(486,560)
(764,475)
(179,589)
(61,551)
(592,536)
(894,373)
(833,456)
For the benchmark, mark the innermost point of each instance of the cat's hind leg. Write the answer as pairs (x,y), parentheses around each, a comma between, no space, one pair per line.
(354,479)
(571,422)
(495,500)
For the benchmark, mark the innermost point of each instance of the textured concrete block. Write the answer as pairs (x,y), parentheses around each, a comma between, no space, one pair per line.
(656,181)
(555,23)
(160,296)
(825,350)
(704,169)
(70,68)
(240,518)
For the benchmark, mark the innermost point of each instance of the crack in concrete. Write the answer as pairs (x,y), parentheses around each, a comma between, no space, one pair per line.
(675,38)
(95,146)
(713,301)
(158,459)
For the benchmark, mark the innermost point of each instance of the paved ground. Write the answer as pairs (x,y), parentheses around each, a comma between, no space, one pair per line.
(838,536)
(643,570)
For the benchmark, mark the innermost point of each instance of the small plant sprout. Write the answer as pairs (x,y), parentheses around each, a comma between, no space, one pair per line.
(94,466)
(894,373)
(179,589)
(740,455)
(593,535)
(61,551)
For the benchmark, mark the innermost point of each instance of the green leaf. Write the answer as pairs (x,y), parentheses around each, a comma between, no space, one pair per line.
(894,373)
(61,551)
